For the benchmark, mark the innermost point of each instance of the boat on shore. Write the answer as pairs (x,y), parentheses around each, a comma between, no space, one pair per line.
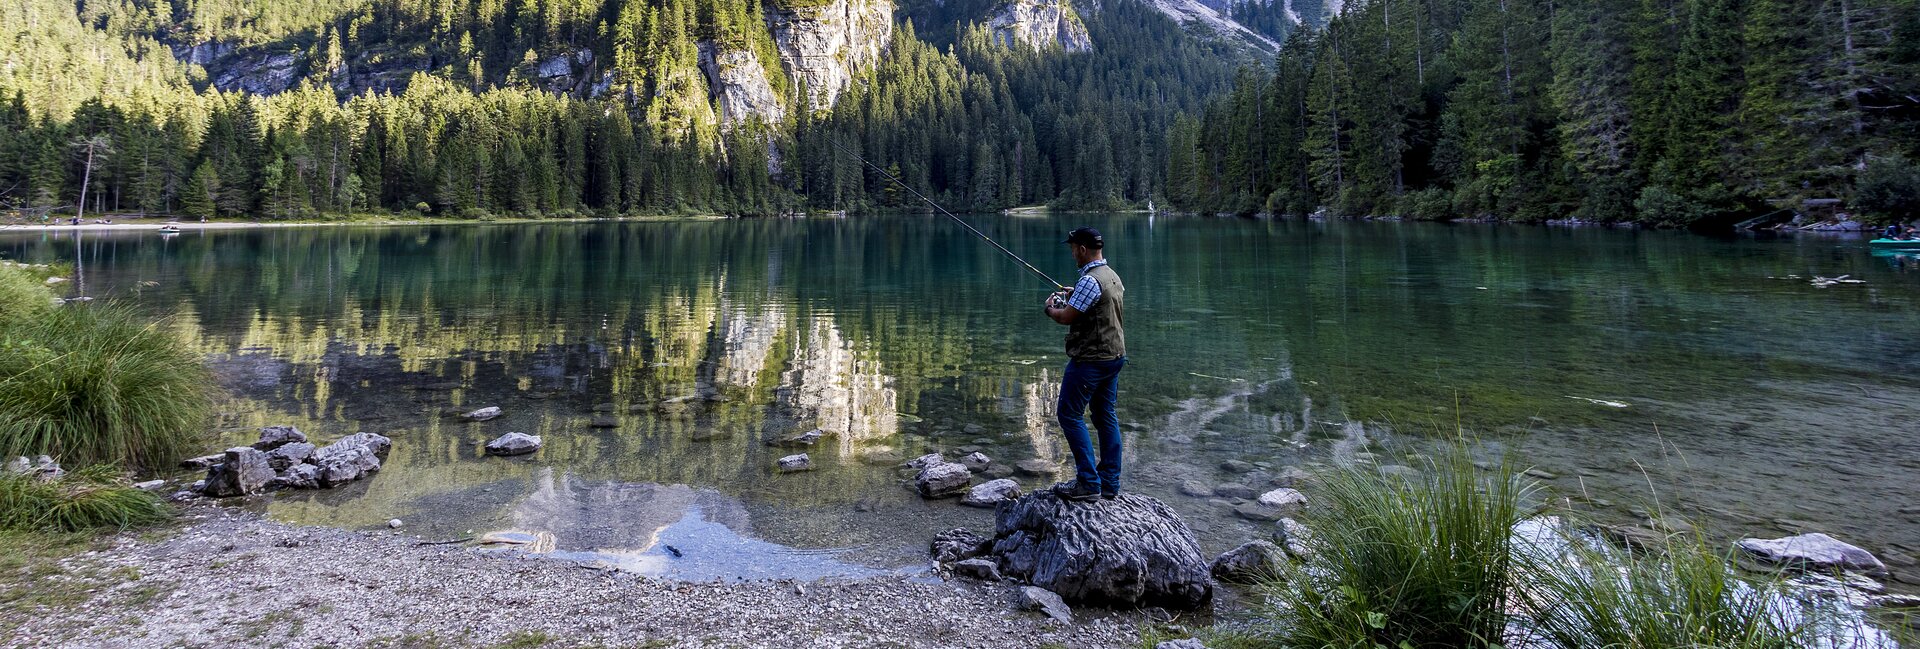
(169,229)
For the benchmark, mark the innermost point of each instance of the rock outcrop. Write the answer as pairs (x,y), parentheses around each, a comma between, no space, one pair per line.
(1041,25)
(1131,550)
(1194,12)
(738,83)
(822,45)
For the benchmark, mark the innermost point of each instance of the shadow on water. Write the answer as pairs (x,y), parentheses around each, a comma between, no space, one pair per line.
(658,360)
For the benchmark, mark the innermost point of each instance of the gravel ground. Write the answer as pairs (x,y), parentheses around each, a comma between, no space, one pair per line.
(232,578)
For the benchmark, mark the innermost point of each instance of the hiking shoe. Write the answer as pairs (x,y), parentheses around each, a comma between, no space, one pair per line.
(1110,495)
(1076,491)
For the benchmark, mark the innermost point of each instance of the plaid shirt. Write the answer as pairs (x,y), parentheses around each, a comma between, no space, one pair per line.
(1086,292)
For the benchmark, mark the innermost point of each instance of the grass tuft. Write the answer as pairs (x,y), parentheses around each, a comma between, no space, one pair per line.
(1403,562)
(96,384)
(1682,594)
(90,499)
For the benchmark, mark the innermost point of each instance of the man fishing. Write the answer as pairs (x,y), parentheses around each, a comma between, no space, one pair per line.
(1096,350)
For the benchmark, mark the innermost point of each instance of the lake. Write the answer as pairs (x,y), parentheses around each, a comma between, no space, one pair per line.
(1640,372)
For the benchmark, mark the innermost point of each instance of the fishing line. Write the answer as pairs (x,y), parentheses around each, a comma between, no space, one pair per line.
(950,215)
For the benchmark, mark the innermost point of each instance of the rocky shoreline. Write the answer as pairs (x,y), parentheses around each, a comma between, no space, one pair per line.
(228,577)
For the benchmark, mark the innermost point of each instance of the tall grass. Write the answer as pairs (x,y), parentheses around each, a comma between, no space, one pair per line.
(84,500)
(23,298)
(96,384)
(1445,559)
(1683,594)
(1404,562)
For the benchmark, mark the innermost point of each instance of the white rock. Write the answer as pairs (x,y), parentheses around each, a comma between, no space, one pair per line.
(1283,498)
(514,444)
(393,523)
(483,414)
(799,462)
(1814,551)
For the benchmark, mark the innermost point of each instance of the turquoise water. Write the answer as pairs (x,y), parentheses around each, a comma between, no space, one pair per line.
(1708,376)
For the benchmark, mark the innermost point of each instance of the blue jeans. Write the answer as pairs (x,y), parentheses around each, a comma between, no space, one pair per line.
(1095,383)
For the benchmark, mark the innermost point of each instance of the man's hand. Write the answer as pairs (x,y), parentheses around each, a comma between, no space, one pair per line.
(1057,307)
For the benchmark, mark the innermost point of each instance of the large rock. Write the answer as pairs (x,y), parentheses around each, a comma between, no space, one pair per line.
(991,493)
(272,437)
(342,462)
(1814,551)
(287,455)
(1251,562)
(959,544)
(942,479)
(202,462)
(1129,550)
(824,44)
(514,444)
(242,470)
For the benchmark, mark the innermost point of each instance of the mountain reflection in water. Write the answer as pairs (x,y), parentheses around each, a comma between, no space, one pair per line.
(1758,403)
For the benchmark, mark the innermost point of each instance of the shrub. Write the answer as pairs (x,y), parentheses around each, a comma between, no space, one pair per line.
(96,384)
(1663,206)
(1433,204)
(1403,561)
(88,499)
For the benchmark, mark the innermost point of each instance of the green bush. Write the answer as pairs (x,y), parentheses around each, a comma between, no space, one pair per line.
(95,384)
(88,499)
(1403,562)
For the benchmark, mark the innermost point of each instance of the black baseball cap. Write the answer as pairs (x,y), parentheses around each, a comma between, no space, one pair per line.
(1088,237)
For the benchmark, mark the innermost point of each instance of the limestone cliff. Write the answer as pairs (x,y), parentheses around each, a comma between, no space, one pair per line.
(823,44)
(1194,12)
(738,84)
(1040,24)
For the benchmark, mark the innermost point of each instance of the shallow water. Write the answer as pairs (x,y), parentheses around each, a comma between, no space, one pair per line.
(1700,376)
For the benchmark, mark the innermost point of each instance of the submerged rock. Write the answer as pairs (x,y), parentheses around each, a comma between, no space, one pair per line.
(1814,551)
(514,444)
(272,437)
(976,462)
(1233,490)
(603,421)
(242,470)
(991,493)
(1252,561)
(1294,537)
(1129,550)
(1045,601)
(793,463)
(942,479)
(1035,467)
(1196,489)
(801,440)
(925,460)
(959,544)
(483,414)
(1284,498)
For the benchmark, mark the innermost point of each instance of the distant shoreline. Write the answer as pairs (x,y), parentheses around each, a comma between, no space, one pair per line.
(145,225)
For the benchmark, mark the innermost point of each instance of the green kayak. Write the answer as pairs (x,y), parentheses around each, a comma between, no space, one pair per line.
(1896,243)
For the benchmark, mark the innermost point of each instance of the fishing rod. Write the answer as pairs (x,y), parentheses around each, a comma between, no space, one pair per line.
(950,215)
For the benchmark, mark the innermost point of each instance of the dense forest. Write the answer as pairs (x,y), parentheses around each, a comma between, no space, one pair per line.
(1668,112)
(104,108)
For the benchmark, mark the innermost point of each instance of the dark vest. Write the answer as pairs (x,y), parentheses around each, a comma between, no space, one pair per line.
(1096,335)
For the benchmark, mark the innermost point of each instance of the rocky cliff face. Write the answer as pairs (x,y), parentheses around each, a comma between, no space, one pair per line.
(1040,24)
(823,45)
(738,84)
(1193,12)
